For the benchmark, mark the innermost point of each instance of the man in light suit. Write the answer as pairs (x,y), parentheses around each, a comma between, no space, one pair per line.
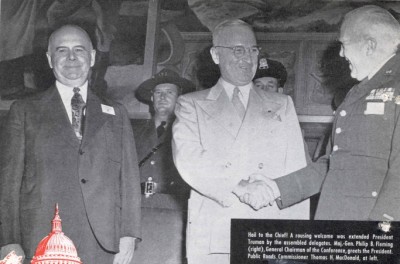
(51,154)
(228,135)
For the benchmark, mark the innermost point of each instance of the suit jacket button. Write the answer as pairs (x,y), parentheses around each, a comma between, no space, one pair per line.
(81,152)
(228,164)
(83,181)
(152,162)
(260,165)
(374,194)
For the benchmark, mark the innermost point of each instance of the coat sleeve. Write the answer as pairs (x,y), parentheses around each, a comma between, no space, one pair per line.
(195,164)
(388,199)
(130,182)
(303,183)
(12,146)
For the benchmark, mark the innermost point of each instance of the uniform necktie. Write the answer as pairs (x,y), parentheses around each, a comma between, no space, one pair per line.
(237,103)
(77,106)
(161,128)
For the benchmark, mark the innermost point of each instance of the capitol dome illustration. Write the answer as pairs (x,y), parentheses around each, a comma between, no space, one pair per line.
(56,248)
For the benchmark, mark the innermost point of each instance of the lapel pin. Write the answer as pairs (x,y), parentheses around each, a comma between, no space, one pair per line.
(107,109)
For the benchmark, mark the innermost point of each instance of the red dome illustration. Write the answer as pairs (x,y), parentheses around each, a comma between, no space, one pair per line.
(56,248)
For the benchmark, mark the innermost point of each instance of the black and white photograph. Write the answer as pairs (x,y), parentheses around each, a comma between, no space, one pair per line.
(199,131)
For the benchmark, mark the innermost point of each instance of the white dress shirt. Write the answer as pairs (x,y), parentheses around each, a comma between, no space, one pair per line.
(67,93)
(244,91)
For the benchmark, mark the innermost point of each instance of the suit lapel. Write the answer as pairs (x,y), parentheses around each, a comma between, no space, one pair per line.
(58,121)
(261,113)
(219,108)
(94,118)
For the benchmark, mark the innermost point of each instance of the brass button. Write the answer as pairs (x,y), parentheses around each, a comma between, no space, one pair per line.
(343,113)
(152,162)
(374,194)
(338,130)
(335,148)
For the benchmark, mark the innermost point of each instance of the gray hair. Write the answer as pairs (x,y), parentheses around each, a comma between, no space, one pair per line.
(371,21)
(224,25)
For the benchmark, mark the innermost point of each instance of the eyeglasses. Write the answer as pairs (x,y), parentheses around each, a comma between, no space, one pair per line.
(239,51)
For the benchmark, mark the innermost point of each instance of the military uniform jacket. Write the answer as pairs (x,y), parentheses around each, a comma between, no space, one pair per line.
(160,165)
(360,175)
(42,162)
(214,150)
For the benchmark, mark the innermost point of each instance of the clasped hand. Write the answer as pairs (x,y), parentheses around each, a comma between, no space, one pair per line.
(256,191)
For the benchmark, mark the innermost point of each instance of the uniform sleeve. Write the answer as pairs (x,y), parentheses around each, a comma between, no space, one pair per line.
(12,147)
(388,199)
(305,182)
(195,164)
(130,182)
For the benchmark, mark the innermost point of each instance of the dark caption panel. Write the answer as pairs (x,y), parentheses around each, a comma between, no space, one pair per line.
(302,241)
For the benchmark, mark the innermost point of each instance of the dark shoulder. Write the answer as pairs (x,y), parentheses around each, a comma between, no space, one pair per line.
(141,122)
(141,126)
(33,101)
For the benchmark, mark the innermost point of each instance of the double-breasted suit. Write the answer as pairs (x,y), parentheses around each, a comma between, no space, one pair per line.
(214,150)
(42,163)
(360,174)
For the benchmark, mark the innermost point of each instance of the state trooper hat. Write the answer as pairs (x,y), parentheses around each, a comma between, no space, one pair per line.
(145,90)
(271,68)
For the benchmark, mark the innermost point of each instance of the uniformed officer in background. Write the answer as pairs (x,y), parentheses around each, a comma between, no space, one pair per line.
(270,76)
(359,178)
(165,194)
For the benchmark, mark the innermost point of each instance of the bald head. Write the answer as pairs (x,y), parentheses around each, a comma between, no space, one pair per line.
(71,55)
(68,30)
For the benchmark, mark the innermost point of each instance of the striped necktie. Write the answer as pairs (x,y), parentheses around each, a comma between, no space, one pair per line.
(237,103)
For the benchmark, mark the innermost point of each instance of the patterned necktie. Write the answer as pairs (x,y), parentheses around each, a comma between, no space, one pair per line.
(77,105)
(161,128)
(237,103)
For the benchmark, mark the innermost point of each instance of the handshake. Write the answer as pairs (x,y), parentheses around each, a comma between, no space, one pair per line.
(258,191)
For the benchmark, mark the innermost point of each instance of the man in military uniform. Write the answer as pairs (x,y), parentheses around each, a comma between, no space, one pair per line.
(165,194)
(270,75)
(359,177)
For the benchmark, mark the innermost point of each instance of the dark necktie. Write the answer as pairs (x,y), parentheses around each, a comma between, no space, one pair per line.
(77,105)
(237,103)
(161,128)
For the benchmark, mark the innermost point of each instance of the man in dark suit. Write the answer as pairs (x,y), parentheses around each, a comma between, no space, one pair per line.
(359,176)
(165,194)
(70,147)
